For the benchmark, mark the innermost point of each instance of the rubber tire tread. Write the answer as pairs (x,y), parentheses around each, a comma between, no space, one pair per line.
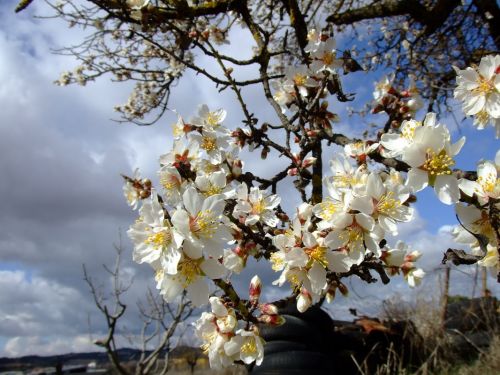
(294,360)
(279,346)
(294,329)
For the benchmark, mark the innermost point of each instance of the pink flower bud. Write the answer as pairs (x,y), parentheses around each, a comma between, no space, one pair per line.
(268,309)
(275,320)
(308,162)
(255,289)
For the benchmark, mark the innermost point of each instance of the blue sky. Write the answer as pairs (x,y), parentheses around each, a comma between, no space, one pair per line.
(62,204)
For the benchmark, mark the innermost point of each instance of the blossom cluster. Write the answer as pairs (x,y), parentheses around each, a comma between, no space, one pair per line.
(207,219)
(427,148)
(478,88)
(225,340)
(304,81)
(209,216)
(475,229)
(389,99)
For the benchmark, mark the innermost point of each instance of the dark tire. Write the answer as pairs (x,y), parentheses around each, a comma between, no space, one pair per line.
(294,329)
(280,346)
(315,315)
(286,362)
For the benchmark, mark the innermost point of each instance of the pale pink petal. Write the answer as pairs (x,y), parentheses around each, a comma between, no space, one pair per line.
(447,190)
(414,156)
(417,179)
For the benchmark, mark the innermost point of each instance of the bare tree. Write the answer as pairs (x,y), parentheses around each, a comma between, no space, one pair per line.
(160,321)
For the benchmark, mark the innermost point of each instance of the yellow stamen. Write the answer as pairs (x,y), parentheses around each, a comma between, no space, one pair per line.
(438,164)
(293,279)
(328,58)
(489,183)
(317,253)
(485,87)
(258,207)
(169,182)
(208,143)
(159,240)
(387,205)
(212,190)
(352,235)
(205,224)
(408,131)
(482,117)
(328,209)
(190,269)
(299,79)
(277,262)
(213,119)
(250,347)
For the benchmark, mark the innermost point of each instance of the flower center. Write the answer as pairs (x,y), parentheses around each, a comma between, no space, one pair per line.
(438,164)
(212,190)
(387,205)
(250,347)
(159,240)
(208,143)
(190,269)
(489,183)
(328,209)
(485,87)
(408,131)
(299,79)
(328,58)
(212,119)
(277,261)
(204,224)
(293,279)
(169,182)
(352,235)
(258,207)
(317,253)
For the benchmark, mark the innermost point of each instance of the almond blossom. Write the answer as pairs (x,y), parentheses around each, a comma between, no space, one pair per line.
(487,185)
(430,156)
(212,143)
(478,88)
(255,206)
(200,223)
(246,346)
(209,120)
(385,205)
(324,57)
(190,276)
(154,237)
(215,329)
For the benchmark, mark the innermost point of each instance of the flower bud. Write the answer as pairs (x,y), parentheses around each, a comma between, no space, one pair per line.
(268,309)
(275,320)
(255,289)
(144,194)
(264,152)
(304,300)
(330,295)
(308,162)
(413,256)
(343,289)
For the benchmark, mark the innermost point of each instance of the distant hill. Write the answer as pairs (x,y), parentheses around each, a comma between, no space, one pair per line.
(101,358)
(30,361)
